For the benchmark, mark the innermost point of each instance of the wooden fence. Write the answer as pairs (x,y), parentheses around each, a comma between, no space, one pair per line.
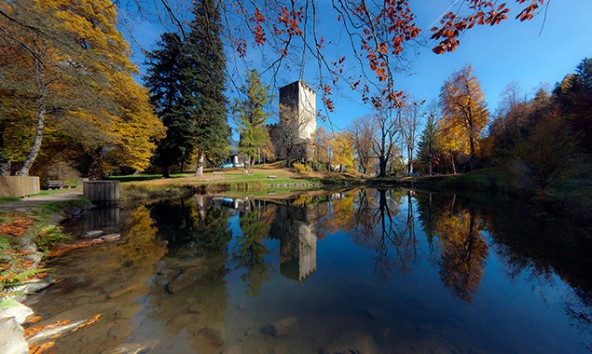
(18,186)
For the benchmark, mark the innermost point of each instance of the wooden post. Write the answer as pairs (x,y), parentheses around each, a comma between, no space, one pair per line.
(102,192)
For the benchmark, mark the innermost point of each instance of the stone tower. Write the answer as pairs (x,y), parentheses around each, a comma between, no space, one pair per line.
(298,109)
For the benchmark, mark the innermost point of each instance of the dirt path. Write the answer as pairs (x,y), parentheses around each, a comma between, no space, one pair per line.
(25,203)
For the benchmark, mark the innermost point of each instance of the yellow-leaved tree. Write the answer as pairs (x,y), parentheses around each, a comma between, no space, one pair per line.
(464,112)
(342,150)
(72,63)
(136,129)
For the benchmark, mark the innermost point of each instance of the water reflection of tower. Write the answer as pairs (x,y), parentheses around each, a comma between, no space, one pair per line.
(295,228)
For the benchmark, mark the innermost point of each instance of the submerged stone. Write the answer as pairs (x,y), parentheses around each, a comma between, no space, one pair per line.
(111,237)
(235,349)
(353,343)
(93,233)
(134,348)
(185,279)
(213,336)
(283,327)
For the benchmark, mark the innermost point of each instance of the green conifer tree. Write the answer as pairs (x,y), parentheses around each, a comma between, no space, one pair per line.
(164,83)
(428,145)
(203,100)
(251,117)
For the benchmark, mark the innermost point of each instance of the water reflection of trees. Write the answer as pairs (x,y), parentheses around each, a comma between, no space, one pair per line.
(250,250)
(539,247)
(455,227)
(140,242)
(525,243)
(390,222)
(382,220)
(385,220)
(463,250)
(189,292)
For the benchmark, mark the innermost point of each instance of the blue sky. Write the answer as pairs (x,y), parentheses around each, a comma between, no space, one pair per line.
(532,53)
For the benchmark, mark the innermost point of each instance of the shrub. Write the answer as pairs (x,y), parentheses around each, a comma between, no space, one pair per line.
(302,168)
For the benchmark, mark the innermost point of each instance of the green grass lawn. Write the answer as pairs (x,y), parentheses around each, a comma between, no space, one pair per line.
(9,199)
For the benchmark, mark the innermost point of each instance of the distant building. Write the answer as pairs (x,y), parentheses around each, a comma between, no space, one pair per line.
(297,123)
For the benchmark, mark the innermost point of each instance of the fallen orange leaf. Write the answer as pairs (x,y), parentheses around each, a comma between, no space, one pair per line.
(89,322)
(41,348)
(62,250)
(29,332)
(33,319)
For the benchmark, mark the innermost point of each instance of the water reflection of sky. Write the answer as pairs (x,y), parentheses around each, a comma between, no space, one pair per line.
(394,270)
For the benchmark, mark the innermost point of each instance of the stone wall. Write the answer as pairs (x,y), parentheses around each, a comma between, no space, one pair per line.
(18,186)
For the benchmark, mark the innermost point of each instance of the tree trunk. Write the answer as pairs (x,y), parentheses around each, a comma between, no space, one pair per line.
(40,127)
(95,168)
(4,159)
(166,171)
(382,167)
(200,164)
(4,164)
(24,171)
(452,161)
(472,152)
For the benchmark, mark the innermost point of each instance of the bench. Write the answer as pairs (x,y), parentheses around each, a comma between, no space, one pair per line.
(272,176)
(218,173)
(54,184)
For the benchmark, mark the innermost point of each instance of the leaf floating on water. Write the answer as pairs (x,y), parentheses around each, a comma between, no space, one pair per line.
(29,332)
(89,322)
(38,349)
(33,319)
(62,250)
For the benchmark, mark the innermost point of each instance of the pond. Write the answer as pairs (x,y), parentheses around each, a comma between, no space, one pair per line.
(361,271)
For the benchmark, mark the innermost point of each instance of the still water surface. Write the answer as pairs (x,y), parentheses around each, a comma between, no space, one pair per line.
(368,271)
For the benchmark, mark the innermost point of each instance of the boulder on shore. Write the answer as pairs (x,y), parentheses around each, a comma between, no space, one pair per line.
(12,340)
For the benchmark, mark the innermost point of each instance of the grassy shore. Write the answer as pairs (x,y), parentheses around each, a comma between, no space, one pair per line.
(26,236)
(259,182)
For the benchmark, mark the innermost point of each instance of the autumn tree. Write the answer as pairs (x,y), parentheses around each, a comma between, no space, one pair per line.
(74,68)
(342,151)
(322,148)
(135,128)
(386,127)
(362,134)
(163,79)
(203,100)
(409,122)
(464,111)
(251,117)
